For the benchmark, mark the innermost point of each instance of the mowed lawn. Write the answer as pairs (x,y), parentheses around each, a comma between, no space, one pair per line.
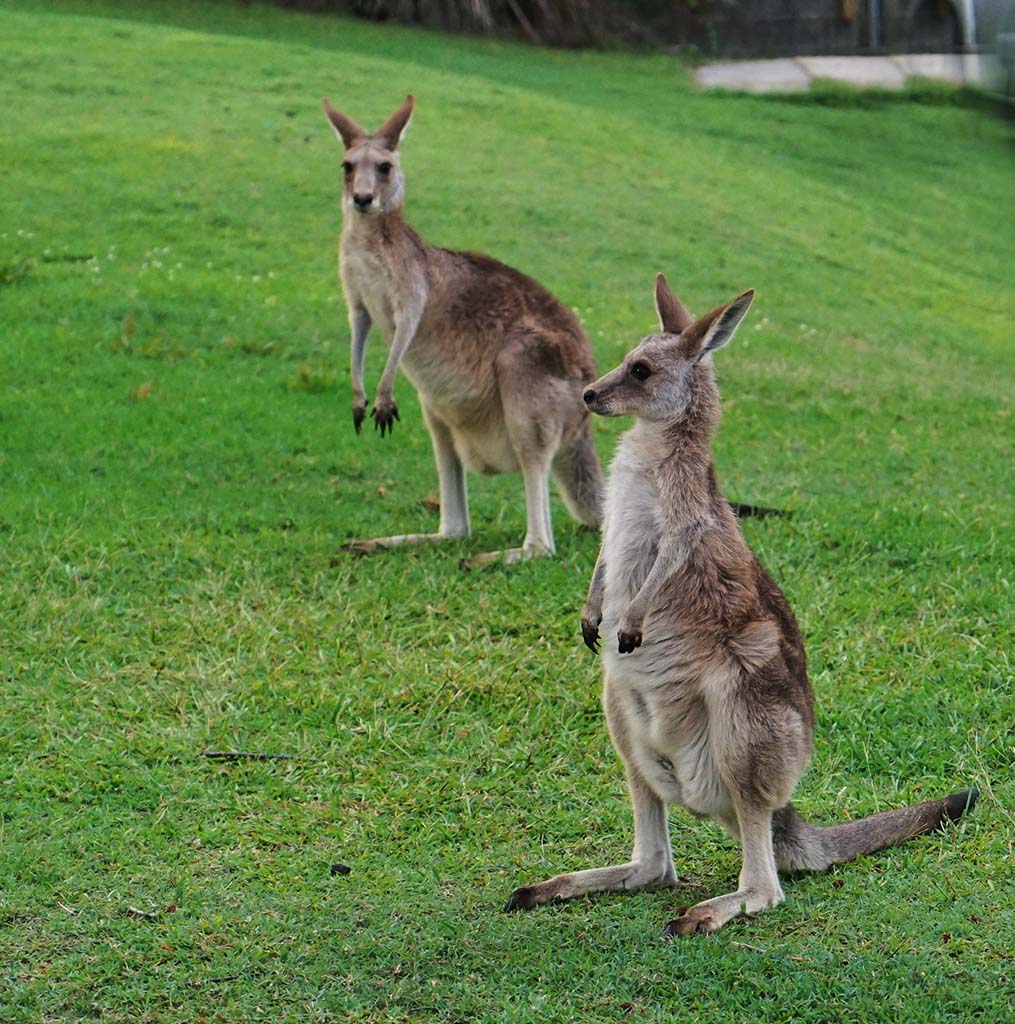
(178,470)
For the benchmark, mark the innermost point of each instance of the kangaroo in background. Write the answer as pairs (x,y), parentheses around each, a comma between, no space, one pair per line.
(705,684)
(498,362)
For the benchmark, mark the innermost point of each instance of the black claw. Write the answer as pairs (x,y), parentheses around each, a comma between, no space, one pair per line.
(680,925)
(358,414)
(384,420)
(590,634)
(521,899)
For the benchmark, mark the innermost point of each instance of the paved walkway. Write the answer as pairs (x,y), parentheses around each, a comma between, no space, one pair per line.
(793,74)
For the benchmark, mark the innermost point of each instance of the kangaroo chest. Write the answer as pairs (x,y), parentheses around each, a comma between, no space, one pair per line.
(453,382)
(630,533)
(366,282)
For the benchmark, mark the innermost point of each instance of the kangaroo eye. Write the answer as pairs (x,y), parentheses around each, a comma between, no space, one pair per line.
(384,168)
(347,167)
(640,371)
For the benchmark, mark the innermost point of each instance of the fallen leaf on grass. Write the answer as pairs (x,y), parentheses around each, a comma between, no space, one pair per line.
(753,949)
(148,915)
(142,391)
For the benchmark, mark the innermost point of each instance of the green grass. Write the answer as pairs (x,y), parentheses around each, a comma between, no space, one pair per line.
(178,469)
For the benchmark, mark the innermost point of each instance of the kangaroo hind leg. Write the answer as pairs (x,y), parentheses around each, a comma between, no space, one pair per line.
(454,522)
(757,889)
(532,425)
(650,866)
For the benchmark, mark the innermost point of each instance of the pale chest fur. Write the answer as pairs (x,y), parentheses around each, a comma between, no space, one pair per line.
(393,288)
(630,535)
(631,523)
(367,282)
(656,692)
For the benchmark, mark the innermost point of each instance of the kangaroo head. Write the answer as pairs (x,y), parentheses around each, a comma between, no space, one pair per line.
(373,178)
(658,380)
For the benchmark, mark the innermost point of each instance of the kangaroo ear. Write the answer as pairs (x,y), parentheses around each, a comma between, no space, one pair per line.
(673,317)
(391,132)
(345,127)
(716,327)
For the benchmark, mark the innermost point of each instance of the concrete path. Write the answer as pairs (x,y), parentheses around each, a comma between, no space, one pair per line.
(794,74)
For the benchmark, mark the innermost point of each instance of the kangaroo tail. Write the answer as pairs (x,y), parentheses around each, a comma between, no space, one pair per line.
(800,846)
(580,478)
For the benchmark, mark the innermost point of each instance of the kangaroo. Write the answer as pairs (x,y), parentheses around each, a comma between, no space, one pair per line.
(705,678)
(498,362)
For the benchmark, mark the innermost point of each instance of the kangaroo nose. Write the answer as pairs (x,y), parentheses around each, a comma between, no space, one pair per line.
(362,201)
(589,396)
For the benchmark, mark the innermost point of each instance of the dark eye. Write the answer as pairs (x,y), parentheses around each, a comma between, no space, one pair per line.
(640,371)
(347,167)
(384,168)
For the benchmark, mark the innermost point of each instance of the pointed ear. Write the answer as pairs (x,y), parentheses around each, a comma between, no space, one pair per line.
(716,327)
(345,127)
(673,317)
(390,133)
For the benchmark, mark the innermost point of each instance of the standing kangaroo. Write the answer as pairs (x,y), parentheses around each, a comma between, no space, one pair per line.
(705,686)
(498,362)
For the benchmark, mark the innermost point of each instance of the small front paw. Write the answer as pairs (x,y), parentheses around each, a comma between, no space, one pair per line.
(628,638)
(359,412)
(385,412)
(590,632)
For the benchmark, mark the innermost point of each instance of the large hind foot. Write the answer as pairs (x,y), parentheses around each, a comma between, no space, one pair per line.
(653,873)
(369,547)
(506,557)
(709,916)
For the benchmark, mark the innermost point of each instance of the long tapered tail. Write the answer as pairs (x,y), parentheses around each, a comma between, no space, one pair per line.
(800,846)
(580,477)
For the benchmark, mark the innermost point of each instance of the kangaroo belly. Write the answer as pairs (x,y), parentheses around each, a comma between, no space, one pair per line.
(668,739)
(486,449)
(447,380)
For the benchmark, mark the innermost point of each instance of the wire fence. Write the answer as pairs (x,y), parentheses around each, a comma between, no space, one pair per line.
(733,28)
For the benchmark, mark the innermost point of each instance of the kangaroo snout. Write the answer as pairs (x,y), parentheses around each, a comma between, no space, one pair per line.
(362,202)
(593,399)
(600,395)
